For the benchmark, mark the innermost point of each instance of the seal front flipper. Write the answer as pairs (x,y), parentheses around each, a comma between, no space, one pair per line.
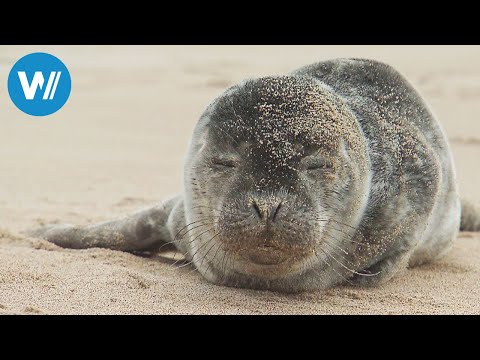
(142,231)
(383,270)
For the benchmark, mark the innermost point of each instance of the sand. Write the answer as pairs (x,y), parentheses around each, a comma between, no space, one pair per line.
(118,145)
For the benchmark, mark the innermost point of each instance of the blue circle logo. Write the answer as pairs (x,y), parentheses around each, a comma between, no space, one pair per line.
(39,84)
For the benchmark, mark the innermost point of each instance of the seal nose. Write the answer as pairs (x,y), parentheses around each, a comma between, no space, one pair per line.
(265,211)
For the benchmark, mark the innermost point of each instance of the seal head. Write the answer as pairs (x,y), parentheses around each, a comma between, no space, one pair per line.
(276,165)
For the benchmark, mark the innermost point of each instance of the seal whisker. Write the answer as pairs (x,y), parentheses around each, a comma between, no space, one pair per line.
(210,262)
(349,234)
(341,256)
(338,248)
(330,265)
(191,262)
(344,266)
(356,231)
(196,237)
(224,263)
(186,226)
(337,221)
(204,256)
(191,229)
(234,256)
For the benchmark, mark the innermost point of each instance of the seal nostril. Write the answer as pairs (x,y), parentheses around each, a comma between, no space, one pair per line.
(276,210)
(257,210)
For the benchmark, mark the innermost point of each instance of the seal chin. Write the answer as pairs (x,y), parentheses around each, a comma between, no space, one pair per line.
(266,255)
(268,262)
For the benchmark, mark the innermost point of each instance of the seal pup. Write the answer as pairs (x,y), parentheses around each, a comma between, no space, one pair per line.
(336,173)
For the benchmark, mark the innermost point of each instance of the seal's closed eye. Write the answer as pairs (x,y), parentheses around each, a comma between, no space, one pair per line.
(319,165)
(223,163)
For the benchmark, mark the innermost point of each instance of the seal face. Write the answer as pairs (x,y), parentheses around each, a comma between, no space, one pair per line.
(281,159)
(336,173)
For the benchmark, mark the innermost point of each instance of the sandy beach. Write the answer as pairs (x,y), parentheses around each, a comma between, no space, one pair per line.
(118,146)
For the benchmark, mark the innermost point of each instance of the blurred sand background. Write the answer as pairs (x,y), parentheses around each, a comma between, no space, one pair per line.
(118,145)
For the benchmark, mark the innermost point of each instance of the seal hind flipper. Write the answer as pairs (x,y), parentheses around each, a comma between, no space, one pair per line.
(470,220)
(142,231)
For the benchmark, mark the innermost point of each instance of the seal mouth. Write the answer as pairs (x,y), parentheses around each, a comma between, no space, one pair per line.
(266,255)
(269,261)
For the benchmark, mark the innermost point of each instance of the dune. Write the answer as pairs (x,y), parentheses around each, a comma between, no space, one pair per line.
(118,145)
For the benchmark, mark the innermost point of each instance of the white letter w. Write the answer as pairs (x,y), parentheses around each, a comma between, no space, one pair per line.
(38,80)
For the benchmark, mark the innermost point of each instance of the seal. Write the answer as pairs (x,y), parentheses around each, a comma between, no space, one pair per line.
(337,173)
